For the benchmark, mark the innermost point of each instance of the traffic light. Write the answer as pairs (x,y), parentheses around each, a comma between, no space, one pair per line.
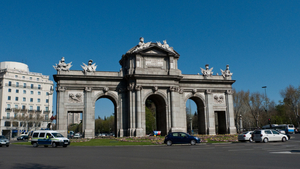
(269,121)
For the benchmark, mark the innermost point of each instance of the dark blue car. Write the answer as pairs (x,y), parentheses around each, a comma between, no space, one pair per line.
(180,138)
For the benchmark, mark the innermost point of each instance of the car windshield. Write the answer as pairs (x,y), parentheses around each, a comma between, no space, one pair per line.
(57,135)
(2,137)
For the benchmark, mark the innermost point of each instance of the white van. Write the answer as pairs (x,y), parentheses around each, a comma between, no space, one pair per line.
(49,137)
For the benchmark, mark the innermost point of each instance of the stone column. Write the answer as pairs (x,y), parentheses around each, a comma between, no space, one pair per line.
(120,118)
(88,114)
(62,114)
(230,112)
(210,113)
(139,130)
(130,116)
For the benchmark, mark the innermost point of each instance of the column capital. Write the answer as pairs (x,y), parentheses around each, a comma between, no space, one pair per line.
(229,92)
(60,89)
(138,87)
(208,91)
(88,89)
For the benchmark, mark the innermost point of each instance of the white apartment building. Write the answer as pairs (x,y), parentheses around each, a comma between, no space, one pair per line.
(25,99)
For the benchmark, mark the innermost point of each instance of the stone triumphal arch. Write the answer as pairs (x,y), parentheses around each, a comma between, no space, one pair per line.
(149,71)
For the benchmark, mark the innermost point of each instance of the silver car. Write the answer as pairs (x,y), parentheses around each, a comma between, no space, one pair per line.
(4,141)
(268,135)
(246,136)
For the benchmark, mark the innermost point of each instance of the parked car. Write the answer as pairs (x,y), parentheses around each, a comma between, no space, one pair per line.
(180,138)
(77,135)
(23,137)
(246,136)
(4,141)
(268,135)
(49,137)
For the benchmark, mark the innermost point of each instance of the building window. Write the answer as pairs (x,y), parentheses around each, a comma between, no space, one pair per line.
(38,108)
(24,99)
(17,90)
(9,90)
(24,85)
(9,83)
(47,93)
(8,98)
(31,108)
(8,106)
(17,99)
(23,77)
(31,86)
(31,99)
(38,100)
(39,93)
(39,87)
(16,106)
(23,108)
(47,100)
(30,78)
(31,92)
(46,117)
(47,108)
(24,91)
(17,84)
(16,76)
(15,115)
(7,124)
(37,79)
(7,115)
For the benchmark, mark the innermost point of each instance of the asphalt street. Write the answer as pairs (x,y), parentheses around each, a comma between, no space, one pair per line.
(234,155)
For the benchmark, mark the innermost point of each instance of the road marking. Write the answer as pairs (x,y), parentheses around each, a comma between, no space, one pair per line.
(285,152)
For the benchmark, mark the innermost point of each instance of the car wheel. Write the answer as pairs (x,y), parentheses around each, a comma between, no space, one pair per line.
(54,145)
(35,145)
(169,143)
(193,142)
(250,140)
(283,139)
(265,140)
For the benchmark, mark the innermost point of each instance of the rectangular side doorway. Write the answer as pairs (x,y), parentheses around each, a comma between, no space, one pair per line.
(220,121)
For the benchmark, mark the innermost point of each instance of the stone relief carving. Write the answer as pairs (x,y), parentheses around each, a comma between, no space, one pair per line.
(226,73)
(207,72)
(62,66)
(165,46)
(194,91)
(75,98)
(155,88)
(105,89)
(141,45)
(219,99)
(90,67)
(180,91)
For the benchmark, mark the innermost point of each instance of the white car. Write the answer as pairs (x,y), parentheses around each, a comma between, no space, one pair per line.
(246,136)
(268,135)
(4,141)
(49,137)
(77,135)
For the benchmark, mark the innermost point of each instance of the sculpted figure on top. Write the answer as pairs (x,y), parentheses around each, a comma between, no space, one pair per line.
(226,73)
(90,67)
(207,72)
(165,45)
(141,44)
(62,66)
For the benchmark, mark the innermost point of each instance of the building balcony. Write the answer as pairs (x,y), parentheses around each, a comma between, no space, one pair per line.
(46,111)
(38,111)
(17,109)
(8,109)
(23,110)
(31,111)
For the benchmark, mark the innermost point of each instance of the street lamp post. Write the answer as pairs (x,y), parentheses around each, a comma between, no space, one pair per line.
(49,93)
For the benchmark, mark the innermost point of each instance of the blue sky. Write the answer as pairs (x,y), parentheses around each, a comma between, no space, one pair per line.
(260,40)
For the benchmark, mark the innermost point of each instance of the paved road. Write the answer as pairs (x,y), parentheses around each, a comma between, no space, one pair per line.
(236,155)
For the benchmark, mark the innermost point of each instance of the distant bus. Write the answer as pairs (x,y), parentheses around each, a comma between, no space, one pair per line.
(288,128)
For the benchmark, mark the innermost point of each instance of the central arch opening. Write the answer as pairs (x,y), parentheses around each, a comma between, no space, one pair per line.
(105,117)
(156,118)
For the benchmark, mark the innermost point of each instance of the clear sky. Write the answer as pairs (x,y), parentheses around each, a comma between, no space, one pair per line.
(260,40)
